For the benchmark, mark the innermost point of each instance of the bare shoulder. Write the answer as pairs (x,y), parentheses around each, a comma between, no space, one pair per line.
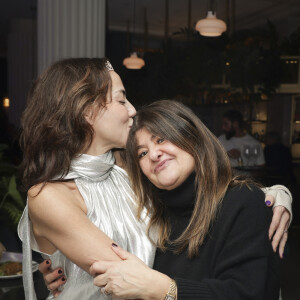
(50,195)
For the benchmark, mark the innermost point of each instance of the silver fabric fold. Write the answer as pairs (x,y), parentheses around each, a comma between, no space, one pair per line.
(111,207)
(27,258)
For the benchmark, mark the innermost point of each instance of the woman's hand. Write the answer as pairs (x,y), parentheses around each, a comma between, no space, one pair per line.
(278,230)
(53,278)
(130,278)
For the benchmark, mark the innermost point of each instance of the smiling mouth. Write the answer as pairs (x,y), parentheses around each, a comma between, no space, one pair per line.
(161,165)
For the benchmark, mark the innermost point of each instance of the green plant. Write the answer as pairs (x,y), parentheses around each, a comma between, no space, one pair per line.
(11,201)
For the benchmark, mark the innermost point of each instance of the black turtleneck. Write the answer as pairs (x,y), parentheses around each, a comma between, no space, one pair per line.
(180,204)
(236,261)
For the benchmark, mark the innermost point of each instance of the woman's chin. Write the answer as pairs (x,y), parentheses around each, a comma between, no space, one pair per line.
(167,185)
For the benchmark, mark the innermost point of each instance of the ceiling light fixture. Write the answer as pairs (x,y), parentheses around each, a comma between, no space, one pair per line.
(6,102)
(133,61)
(211,26)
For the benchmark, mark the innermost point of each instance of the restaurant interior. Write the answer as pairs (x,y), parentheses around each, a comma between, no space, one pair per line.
(162,51)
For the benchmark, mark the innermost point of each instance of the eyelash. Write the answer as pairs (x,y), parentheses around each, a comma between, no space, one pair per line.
(141,155)
(158,141)
(122,102)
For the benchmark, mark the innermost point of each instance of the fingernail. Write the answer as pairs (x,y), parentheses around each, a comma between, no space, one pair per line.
(47,262)
(114,245)
(268,202)
(63,279)
(59,271)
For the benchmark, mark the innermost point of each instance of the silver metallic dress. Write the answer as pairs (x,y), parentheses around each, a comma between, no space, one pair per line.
(111,207)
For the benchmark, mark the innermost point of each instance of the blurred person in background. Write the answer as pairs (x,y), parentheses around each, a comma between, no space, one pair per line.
(279,158)
(235,138)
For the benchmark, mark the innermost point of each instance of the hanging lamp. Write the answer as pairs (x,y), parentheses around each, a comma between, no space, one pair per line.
(211,26)
(133,62)
(6,102)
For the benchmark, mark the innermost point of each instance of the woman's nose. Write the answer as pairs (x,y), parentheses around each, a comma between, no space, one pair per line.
(131,110)
(155,154)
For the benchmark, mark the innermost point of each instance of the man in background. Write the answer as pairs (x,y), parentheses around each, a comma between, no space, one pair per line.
(235,140)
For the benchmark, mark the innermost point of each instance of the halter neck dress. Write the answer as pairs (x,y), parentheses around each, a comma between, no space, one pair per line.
(110,206)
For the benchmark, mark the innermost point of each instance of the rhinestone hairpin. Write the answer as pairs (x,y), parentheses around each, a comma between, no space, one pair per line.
(108,66)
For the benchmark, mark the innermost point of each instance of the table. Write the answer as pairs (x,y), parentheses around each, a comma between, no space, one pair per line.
(12,289)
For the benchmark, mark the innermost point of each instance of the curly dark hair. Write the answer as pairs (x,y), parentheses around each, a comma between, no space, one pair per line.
(54,127)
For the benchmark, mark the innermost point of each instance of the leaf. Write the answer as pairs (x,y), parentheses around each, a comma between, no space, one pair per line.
(13,212)
(14,193)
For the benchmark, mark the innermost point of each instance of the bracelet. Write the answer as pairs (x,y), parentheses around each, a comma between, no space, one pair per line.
(172,293)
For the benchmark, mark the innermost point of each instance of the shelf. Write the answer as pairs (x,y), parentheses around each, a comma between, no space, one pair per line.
(259,121)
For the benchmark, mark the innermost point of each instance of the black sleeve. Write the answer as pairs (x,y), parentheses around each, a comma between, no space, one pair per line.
(242,266)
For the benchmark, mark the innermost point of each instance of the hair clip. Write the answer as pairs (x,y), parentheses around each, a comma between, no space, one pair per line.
(108,66)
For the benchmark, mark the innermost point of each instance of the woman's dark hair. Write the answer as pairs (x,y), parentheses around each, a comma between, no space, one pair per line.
(54,127)
(176,123)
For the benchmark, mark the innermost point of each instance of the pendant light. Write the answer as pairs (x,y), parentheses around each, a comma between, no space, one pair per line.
(6,102)
(133,61)
(211,26)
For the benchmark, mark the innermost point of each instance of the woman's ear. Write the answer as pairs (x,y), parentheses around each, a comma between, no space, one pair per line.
(89,115)
(93,112)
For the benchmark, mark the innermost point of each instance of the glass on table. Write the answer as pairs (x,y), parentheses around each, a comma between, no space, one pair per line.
(255,152)
(247,154)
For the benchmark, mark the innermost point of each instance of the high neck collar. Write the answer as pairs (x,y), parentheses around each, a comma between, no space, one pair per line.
(182,198)
(94,168)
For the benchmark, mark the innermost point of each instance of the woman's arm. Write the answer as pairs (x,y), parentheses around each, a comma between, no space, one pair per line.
(241,269)
(59,221)
(282,214)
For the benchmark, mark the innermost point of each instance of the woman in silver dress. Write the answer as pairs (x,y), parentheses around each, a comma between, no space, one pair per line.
(79,201)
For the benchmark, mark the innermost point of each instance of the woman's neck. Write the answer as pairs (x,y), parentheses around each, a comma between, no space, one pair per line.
(119,160)
(96,149)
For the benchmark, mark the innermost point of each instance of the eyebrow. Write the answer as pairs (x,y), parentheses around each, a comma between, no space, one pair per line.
(122,91)
(142,146)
